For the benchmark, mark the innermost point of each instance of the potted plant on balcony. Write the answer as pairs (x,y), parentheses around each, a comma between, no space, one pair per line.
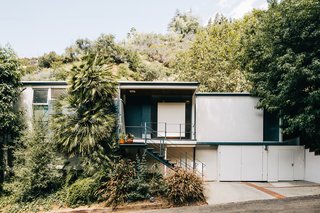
(130,138)
(122,138)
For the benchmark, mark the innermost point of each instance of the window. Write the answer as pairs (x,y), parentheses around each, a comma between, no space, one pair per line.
(40,113)
(56,92)
(40,104)
(40,96)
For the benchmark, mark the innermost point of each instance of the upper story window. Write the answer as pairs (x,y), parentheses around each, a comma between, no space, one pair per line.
(40,96)
(43,102)
(56,92)
(40,104)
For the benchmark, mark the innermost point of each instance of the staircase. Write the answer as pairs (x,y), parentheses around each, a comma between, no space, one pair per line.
(154,154)
(156,150)
(154,146)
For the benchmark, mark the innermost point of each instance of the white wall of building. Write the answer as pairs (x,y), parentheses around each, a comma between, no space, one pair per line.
(180,154)
(228,118)
(312,167)
(209,156)
(25,104)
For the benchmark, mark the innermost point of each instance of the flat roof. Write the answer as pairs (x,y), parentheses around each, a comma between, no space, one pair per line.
(148,85)
(223,94)
(120,83)
(158,85)
(184,83)
(44,83)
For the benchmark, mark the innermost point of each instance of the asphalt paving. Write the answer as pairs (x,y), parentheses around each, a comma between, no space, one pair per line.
(304,204)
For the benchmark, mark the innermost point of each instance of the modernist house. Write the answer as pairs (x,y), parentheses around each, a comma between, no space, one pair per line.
(223,136)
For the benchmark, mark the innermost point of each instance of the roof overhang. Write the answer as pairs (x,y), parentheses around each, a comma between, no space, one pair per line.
(44,83)
(158,85)
(223,94)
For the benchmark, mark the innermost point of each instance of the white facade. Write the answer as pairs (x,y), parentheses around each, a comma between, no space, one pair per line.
(228,118)
(209,156)
(312,167)
(261,163)
(25,103)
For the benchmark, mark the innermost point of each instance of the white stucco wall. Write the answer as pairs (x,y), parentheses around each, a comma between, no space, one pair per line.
(228,118)
(312,167)
(25,104)
(209,156)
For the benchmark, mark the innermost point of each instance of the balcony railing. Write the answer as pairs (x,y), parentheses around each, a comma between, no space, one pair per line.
(162,130)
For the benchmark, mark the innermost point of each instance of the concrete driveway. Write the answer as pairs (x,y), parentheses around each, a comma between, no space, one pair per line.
(228,192)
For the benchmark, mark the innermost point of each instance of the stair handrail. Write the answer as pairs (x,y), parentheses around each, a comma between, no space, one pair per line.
(161,144)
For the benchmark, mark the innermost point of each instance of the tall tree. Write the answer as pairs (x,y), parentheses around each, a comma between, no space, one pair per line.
(36,163)
(282,54)
(85,118)
(212,58)
(184,23)
(10,122)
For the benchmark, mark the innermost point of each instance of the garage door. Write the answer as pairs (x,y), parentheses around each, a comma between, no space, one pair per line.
(241,163)
(209,157)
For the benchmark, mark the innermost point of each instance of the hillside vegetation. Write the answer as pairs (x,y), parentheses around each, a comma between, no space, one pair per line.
(187,52)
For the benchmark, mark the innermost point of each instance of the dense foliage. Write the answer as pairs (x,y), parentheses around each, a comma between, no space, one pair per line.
(184,187)
(283,57)
(212,60)
(10,118)
(82,192)
(184,23)
(84,121)
(37,165)
(125,182)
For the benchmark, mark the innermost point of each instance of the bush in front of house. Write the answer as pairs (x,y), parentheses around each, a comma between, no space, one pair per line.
(125,183)
(184,187)
(37,164)
(82,192)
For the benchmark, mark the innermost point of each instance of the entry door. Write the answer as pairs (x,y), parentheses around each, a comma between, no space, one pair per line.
(286,165)
(171,119)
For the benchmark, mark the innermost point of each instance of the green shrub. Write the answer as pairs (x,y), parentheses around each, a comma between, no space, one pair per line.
(126,182)
(48,60)
(157,184)
(37,164)
(82,192)
(184,187)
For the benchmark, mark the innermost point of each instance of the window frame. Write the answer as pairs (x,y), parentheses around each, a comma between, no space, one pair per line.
(49,97)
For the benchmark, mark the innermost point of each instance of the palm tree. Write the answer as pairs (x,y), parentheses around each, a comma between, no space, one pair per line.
(85,118)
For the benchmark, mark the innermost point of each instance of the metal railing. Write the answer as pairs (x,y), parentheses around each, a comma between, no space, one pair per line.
(183,157)
(164,130)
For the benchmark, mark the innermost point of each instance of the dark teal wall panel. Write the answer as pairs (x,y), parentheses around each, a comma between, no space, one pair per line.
(270,126)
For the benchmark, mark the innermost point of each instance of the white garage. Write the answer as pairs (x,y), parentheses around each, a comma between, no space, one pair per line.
(260,163)
(242,163)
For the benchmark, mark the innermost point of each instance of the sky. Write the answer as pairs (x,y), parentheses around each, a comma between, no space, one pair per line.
(35,27)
